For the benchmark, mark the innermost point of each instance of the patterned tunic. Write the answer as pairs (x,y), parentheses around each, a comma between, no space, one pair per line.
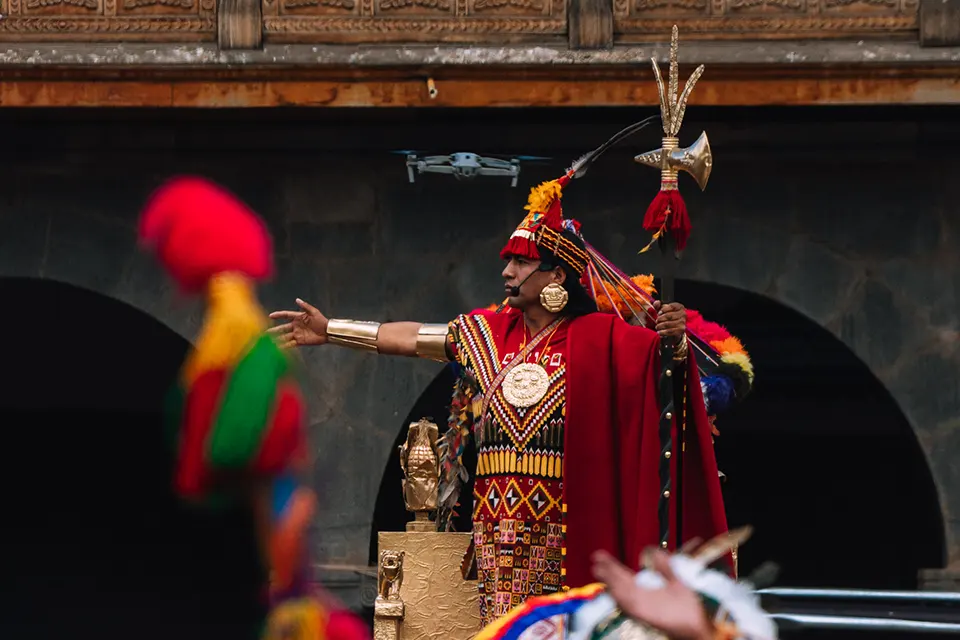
(518,492)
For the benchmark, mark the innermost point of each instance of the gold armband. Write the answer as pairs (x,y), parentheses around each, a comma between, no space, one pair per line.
(356,334)
(680,351)
(432,342)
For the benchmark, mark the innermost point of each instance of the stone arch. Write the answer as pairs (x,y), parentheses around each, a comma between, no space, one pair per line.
(821,455)
(84,234)
(820,493)
(98,530)
(896,314)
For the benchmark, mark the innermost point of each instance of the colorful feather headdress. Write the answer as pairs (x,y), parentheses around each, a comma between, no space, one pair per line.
(735,607)
(237,409)
(238,403)
(544,225)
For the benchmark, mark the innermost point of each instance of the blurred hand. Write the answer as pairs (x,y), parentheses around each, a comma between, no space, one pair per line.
(674,610)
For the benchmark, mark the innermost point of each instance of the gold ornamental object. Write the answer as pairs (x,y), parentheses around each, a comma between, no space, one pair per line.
(389,609)
(420,461)
(432,342)
(353,334)
(390,575)
(554,297)
(525,385)
(697,159)
(422,594)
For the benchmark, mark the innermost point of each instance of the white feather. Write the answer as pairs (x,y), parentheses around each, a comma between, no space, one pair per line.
(737,600)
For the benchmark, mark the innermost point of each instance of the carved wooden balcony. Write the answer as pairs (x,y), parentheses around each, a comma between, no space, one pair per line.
(413,20)
(108,20)
(484,22)
(472,53)
(641,20)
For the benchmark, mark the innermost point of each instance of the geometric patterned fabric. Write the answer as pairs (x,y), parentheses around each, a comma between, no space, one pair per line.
(518,508)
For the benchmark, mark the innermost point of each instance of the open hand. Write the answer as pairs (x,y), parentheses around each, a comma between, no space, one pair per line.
(671,319)
(675,609)
(305,328)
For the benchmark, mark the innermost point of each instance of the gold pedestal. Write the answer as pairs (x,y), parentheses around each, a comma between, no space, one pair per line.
(435,602)
(387,618)
(422,523)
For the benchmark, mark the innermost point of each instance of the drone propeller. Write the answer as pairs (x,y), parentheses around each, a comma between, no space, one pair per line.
(581,164)
(504,156)
(508,157)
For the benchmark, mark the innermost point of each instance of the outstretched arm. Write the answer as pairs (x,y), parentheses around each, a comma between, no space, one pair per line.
(309,327)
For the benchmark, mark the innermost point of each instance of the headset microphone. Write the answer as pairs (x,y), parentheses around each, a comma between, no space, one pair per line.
(515,291)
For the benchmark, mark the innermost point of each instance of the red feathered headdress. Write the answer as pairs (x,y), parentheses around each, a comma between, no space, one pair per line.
(544,227)
(543,211)
(199,229)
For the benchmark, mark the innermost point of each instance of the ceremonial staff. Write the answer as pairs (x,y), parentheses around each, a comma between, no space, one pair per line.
(669,222)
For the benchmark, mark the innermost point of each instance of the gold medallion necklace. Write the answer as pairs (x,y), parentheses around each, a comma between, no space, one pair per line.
(527,383)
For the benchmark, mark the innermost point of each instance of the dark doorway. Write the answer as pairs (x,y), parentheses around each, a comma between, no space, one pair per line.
(819,459)
(96,544)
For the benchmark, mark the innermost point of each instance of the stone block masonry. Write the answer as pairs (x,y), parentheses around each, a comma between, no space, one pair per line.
(852,222)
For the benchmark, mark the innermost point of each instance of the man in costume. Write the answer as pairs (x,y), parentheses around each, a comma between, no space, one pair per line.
(726,379)
(562,402)
(236,414)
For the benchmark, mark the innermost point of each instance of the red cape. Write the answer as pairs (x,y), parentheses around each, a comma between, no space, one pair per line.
(611,454)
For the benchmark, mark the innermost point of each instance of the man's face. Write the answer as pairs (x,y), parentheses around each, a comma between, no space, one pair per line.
(519,269)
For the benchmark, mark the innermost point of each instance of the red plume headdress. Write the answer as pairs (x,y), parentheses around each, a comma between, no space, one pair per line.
(199,229)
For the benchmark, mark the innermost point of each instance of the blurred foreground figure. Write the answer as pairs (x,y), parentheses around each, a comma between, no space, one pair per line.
(675,597)
(236,413)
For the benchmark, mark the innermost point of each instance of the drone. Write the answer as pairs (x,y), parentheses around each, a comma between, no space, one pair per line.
(466,165)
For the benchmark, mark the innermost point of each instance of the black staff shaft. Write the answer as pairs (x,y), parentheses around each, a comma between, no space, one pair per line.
(671,409)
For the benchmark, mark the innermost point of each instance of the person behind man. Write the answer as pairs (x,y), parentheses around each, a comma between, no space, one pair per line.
(563,404)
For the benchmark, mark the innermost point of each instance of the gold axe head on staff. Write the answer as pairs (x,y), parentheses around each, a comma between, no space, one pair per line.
(697,159)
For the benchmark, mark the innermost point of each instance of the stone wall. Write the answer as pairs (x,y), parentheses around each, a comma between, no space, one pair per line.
(852,218)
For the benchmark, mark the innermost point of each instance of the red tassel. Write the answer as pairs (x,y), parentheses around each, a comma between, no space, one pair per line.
(553,218)
(520,247)
(678,222)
